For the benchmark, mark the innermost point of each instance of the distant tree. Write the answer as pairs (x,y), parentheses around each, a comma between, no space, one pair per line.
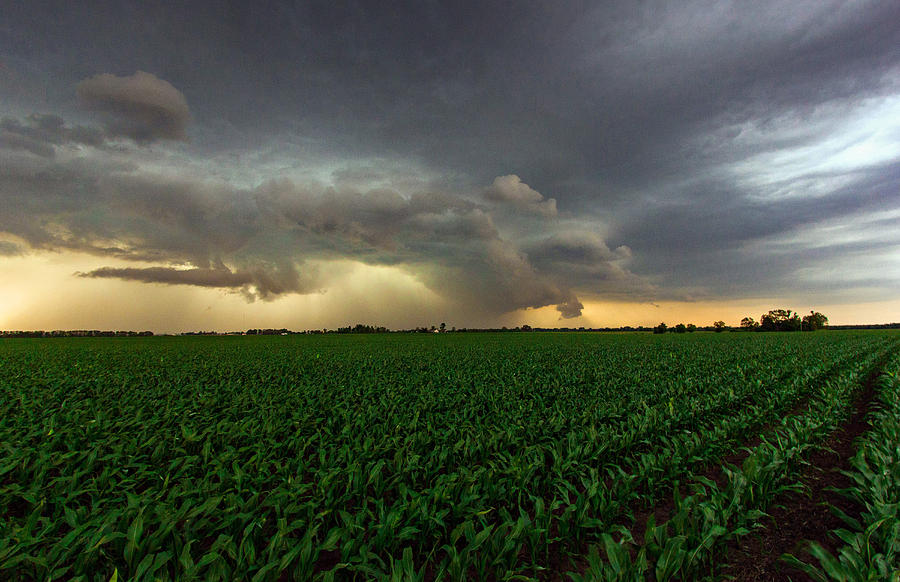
(749,324)
(661,328)
(691,328)
(680,328)
(813,321)
(719,325)
(780,320)
(443,327)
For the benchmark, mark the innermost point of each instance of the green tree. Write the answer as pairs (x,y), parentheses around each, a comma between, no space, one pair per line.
(780,320)
(680,328)
(813,321)
(691,328)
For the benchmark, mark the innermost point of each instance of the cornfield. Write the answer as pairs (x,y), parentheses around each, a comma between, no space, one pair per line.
(517,456)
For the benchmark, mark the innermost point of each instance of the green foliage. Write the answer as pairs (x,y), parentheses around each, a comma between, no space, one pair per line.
(684,546)
(871,548)
(780,320)
(390,457)
(814,321)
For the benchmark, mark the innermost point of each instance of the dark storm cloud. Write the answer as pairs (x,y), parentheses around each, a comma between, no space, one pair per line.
(584,259)
(691,135)
(141,106)
(263,241)
(266,284)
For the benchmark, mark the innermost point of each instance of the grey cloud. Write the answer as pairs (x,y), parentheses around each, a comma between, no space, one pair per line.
(725,242)
(265,284)
(10,249)
(40,133)
(141,106)
(511,190)
(17,141)
(378,218)
(577,247)
(570,308)
(585,260)
(494,276)
(258,241)
(631,115)
(170,276)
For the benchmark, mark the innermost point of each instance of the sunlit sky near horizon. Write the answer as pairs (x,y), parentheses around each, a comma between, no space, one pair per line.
(318,164)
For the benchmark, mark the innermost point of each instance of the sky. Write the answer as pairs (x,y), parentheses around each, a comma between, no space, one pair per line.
(220,166)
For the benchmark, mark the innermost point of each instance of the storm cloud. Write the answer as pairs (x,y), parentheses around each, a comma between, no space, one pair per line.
(263,241)
(507,156)
(260,283)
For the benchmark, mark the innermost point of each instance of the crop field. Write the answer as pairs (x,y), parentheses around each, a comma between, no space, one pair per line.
(508,456)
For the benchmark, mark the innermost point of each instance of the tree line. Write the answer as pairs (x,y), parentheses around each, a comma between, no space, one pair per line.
(74,333)
(774,320)
(785,320)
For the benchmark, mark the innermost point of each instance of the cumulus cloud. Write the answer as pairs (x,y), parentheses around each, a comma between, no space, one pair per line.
(260,241)
(141,106)
(585,260)
(512,191)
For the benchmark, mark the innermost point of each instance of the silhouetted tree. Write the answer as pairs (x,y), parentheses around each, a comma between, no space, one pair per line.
(661,328)
(780,320)
(719,325)
(813,321)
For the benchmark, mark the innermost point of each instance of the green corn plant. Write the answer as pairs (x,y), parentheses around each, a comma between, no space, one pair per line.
(871,549)
(265,457)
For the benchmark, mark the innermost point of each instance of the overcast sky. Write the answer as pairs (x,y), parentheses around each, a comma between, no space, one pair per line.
(561,163)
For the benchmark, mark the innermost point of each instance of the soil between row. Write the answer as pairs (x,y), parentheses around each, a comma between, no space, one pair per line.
(797,519)
(794,519)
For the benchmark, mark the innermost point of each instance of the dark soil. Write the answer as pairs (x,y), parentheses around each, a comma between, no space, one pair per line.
(663,510)
(797,519)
